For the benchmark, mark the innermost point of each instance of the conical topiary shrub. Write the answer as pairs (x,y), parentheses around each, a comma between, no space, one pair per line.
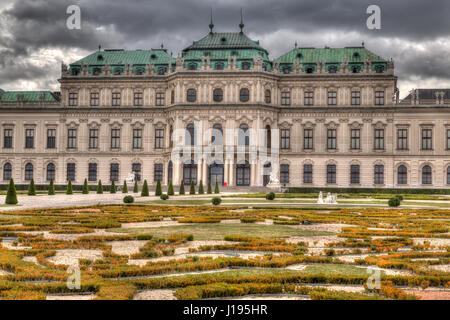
(69,189)
(182,192)
(192,190)
(170,191)
(11,195)
(51,188)
(85,189)
(158,190)
(209,191)
(216,189)
(200,188)
(144,192)
(125,188)
(31,188)
(136,187)
(113,188)
(99,187)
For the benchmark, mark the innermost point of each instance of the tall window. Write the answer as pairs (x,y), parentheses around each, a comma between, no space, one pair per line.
(308,139)
(51,172)
(115,138)
(8,139)
(93,138)
(172,96)
(218,95)
(51,138)
(331,139)
(448,139)
(379,98)
(190,135)
(356,98)
(331,174)
(71,172)
(160,99)
(116,99)
(268,96)
(379,174)
(159,138)
(217,135)
(29,138)
(7,171)
(29,171)
(402,139)
(286,98)
(138,99)
(136,168)
(73,99)
(137,138)
(426,175)
(114,172)
(285,139)
(379,139)
(354,174)
(309,98)
(191,95)
(307,173)
(245,65)
(427,143)
(448,175)
(355,139)
(332,98)
(284,173)
(244,135)
(402,175)
(95,99)
(158,172)
(92,172)
(244,95)
(71,138)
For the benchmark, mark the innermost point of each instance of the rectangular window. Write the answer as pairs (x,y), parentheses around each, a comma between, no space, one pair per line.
(51,138)
(379,174)
(307,173)
(160,99)
(136,168)
(8,138)
(402,139)
(73,99)
(379,98)
(137,138)
(284,173)
(138,101)
(286,98)
(355,139)
(332,98)
(159,138)
(93,138)
(94,99)
(285,139)
(92,174)
(158,172)
(71,138)
(116,99)
(448,139)
(356,98)
(309,98)
(71,172)
(331,139)
(115,138)
(354,174)
(379,139)
(427,135)
(308,139)
(114,172)
(331,174)
(29,138)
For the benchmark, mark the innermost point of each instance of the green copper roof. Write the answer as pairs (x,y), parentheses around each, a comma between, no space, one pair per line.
(226,40)
(2,91)
(28,96)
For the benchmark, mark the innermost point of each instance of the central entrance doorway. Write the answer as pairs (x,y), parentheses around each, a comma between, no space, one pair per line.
(190,173)
(266,173)
(243,174)
(216,174)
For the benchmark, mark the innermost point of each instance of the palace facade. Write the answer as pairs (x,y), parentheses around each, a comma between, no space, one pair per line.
(336,113)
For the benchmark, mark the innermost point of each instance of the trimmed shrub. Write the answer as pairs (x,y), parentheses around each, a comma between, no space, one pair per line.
(200,188)
(182,187)
(144,192)
(192,190)
(216,189)
(394,202)
(270,196)
(136,187)
(216,201)
(113,188)
(125,188)
(31,188)
(51,188)
(69,189)
(399,197)
(158,190)
(11,195)
(99,187)
(170,191)
(209,191)
(85,189)
(128,199)
(164,196)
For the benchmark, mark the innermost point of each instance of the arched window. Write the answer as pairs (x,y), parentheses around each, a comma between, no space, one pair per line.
(28,171)
(118,71)
(219,66)
(268,137)
(7,171)
(162,70)
(136,168)
(140,71)
(114,172)
(190,173)
(268,96)
(379,69)
(191,95)
(244,95)
(192,66)
(356,69)
(190,135)
(50,172)
(96,71)
(426,175)
(309,70)
(402,175)
(244,135)
(245,65)
(286,70)
(170,137)
(218,95)
(217,134)
(169,171)
(332,69)
(448,175)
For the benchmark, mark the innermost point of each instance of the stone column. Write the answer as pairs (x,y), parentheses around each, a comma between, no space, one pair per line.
(199,170)
(252,174)
(226,172)
(232,174)
(205,173)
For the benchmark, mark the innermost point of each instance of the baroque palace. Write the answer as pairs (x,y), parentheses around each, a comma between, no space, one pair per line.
(336,113)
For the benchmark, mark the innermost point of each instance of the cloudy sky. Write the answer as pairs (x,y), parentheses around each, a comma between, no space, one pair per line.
(34,38)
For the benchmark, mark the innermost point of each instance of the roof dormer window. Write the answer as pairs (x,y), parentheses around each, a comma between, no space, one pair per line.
(356,69)
(332,69)
(118,71)
(223,40)
(245,65)
(140,71)
(379,69)
(356,55)
(286,70)
(299,55)
(153,56)
(219,66)
(309,70)
(75,71)
(100,57)
(96,71)
(192,66)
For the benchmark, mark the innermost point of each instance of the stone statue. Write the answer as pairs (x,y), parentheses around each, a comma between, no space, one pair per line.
(320,200)
(130,178)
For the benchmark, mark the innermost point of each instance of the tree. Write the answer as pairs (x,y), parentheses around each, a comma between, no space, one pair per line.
(69,189)
(200,188)
(51,188)
(125,188)
(11,195)
(144,192)
(192,190)
(170,191)
(99,187)
(158,190)
(136,187)
(182,188)
(85,187)
(216,189)
(113,188)
(209,191)
(32,188)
